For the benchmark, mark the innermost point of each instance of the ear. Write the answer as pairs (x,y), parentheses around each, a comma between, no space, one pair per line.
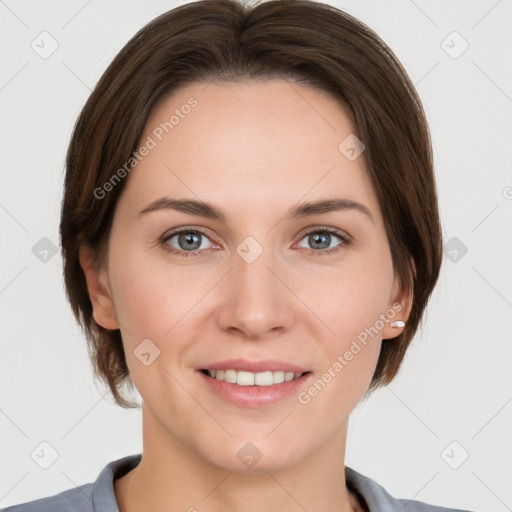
(104,312)
(397,297)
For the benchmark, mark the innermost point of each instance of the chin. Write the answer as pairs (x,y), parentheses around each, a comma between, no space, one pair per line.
(253,457)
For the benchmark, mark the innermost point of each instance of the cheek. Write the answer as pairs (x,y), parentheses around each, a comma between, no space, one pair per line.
(138,302)
(352,308)
(151,305)
(353,301)
(159,302)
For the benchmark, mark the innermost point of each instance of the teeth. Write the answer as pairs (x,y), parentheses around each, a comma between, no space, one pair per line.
(243,378)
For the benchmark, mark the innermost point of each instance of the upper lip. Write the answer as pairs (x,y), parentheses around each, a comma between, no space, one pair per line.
(272,365)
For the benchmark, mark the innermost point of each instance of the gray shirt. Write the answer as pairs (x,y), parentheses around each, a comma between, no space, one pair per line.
(99,496)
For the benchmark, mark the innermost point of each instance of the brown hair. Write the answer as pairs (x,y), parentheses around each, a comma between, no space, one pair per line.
(307,42)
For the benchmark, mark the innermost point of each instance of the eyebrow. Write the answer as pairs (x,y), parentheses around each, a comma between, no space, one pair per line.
(210,211)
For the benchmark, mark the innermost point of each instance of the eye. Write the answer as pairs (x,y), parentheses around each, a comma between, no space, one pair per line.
(321,239)
(192,241)
(188,241)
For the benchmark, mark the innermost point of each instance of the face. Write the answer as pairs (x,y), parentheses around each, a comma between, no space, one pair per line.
(258,283)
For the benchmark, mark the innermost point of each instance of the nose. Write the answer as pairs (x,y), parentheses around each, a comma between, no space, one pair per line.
(256,299)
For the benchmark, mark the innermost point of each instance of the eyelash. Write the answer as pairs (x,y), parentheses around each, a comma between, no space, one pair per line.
(346,241)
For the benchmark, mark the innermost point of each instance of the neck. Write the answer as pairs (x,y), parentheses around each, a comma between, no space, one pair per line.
(173,476)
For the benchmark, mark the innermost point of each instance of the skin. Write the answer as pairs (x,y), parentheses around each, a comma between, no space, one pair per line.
(254,149)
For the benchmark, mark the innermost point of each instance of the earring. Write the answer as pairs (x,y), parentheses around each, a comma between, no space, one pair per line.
(397,324)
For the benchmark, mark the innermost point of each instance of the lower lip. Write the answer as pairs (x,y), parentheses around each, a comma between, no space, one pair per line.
(254,396)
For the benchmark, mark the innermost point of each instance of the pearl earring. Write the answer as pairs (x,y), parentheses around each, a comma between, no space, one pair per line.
(397,323)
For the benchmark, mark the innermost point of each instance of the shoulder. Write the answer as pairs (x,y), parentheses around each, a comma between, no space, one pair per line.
(378,499)
(89,497)
(78,499)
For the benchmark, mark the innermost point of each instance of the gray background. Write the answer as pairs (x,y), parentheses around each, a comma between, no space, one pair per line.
(453,396)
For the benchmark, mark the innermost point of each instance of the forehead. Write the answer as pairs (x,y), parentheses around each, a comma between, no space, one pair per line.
(252,142)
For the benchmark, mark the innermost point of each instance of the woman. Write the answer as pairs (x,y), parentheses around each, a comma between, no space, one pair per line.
(250,236)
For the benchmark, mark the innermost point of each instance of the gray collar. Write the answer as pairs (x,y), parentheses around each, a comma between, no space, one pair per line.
(369,492)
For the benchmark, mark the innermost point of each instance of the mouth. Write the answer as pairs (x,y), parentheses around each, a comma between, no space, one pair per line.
(252,379)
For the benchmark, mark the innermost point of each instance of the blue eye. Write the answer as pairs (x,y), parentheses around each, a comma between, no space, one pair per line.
(190,243)
(189,240)
(324,236)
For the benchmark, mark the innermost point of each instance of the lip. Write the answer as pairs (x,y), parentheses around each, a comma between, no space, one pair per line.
(272,365)
(254,396)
